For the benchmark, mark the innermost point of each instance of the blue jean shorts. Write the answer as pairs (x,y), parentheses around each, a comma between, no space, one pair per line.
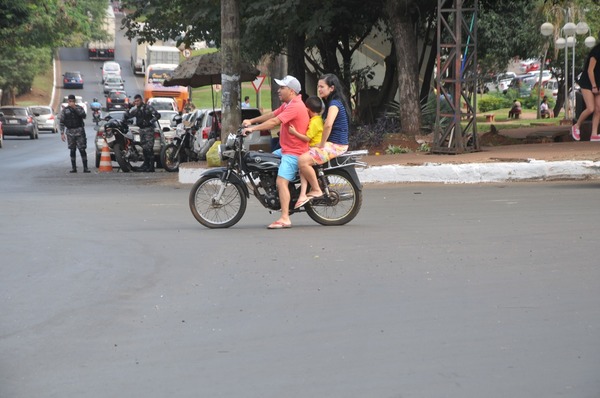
(288,167)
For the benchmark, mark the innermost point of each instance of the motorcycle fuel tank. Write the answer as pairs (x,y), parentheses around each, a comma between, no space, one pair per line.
(261,160)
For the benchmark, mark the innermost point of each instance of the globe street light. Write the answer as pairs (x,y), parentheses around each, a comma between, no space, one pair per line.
(561,43)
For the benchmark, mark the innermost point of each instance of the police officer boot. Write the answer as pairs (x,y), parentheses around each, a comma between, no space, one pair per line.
(73,166)
(85,167)
(144,167)
(151,166)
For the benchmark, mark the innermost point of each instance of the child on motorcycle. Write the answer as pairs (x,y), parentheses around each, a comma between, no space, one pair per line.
(314,106)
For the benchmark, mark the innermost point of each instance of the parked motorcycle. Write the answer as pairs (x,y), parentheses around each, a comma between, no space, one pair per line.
(219,198)
(187,146)
(128,151)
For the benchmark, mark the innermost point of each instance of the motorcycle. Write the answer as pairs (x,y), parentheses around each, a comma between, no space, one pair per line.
(96,116)
(219,198)
(187,146)
(128,151)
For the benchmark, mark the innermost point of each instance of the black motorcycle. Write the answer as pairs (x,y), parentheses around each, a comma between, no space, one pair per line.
(96,115)
(128,151)
(187,146)
(219,198)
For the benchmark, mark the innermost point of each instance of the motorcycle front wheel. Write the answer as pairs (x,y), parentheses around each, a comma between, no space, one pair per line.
(170,157)
(343,203)
(212,210)
(131,159)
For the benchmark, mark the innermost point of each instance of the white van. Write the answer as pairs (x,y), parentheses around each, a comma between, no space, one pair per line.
(110,68)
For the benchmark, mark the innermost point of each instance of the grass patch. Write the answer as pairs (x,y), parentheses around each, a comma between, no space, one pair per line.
(41,90)
(203,97)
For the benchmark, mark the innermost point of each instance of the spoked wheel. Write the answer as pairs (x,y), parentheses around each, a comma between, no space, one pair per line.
(342,205)
(170,158)
(216,204)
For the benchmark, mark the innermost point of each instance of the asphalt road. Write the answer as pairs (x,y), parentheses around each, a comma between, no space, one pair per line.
(110,288)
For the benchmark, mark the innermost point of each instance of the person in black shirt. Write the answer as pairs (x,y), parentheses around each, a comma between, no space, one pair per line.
(72,130)
(589,83)
(145,118)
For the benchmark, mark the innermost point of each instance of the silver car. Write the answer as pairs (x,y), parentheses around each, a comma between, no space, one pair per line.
(113,82)
(46,119)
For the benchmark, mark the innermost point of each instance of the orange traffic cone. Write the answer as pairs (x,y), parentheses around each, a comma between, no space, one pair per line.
(105,162)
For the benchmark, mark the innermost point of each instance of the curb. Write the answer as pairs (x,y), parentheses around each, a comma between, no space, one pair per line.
(465,173)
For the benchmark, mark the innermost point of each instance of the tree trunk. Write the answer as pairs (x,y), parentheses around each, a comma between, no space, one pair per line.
(405,41)
(295,62)
(277,69)
(231,67)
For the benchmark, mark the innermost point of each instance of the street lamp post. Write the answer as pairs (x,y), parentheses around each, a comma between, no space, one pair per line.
(569,31)
(546,29)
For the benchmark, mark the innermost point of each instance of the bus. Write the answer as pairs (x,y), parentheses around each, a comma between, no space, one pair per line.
(104,49)
(153,85)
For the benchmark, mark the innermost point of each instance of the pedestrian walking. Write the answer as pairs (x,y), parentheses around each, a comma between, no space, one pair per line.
(589,83)
(72,130)
(145,118)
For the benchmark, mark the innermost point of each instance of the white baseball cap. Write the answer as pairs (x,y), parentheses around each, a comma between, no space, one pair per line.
(291,82)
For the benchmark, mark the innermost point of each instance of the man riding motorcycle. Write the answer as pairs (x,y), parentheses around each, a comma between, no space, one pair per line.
(96,107)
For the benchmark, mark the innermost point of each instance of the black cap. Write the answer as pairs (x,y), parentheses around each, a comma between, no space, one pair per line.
(71,97)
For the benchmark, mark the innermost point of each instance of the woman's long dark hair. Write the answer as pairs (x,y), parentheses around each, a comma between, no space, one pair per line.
(338,93)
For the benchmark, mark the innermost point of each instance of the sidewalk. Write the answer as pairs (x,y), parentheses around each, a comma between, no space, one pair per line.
(543,161)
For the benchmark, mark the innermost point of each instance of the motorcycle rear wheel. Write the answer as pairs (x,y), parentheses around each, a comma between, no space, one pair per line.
(130,161)
(343,203)
(212,213)
(170,158)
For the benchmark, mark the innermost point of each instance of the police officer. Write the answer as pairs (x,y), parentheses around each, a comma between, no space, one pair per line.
(72,125)
(145,118)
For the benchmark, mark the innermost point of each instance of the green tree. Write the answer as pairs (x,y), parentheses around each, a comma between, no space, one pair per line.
(32,29)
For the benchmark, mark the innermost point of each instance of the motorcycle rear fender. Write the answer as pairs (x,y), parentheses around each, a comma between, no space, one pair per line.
(351,172)
(233,178)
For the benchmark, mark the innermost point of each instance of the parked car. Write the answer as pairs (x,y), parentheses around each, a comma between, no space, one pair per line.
(159,139)
(163,103)
(529,65)
(113,82)
(45,117)
(110,68)
(523,83)
(72,80)
(117,99)
(18,121)
(500,82)
(78,101)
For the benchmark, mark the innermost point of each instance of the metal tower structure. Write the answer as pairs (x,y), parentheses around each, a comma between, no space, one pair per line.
(456,78)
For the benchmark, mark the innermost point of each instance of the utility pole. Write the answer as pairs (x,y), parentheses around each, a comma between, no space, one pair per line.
(231,68)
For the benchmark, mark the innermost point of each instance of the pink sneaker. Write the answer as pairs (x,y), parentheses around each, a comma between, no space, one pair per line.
(575,132)
(595,138)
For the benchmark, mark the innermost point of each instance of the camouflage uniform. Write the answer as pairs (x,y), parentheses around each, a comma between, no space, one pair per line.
(72,122)
(145,118)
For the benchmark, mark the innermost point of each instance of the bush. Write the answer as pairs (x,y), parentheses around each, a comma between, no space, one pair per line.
(371,135)
(493,102)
